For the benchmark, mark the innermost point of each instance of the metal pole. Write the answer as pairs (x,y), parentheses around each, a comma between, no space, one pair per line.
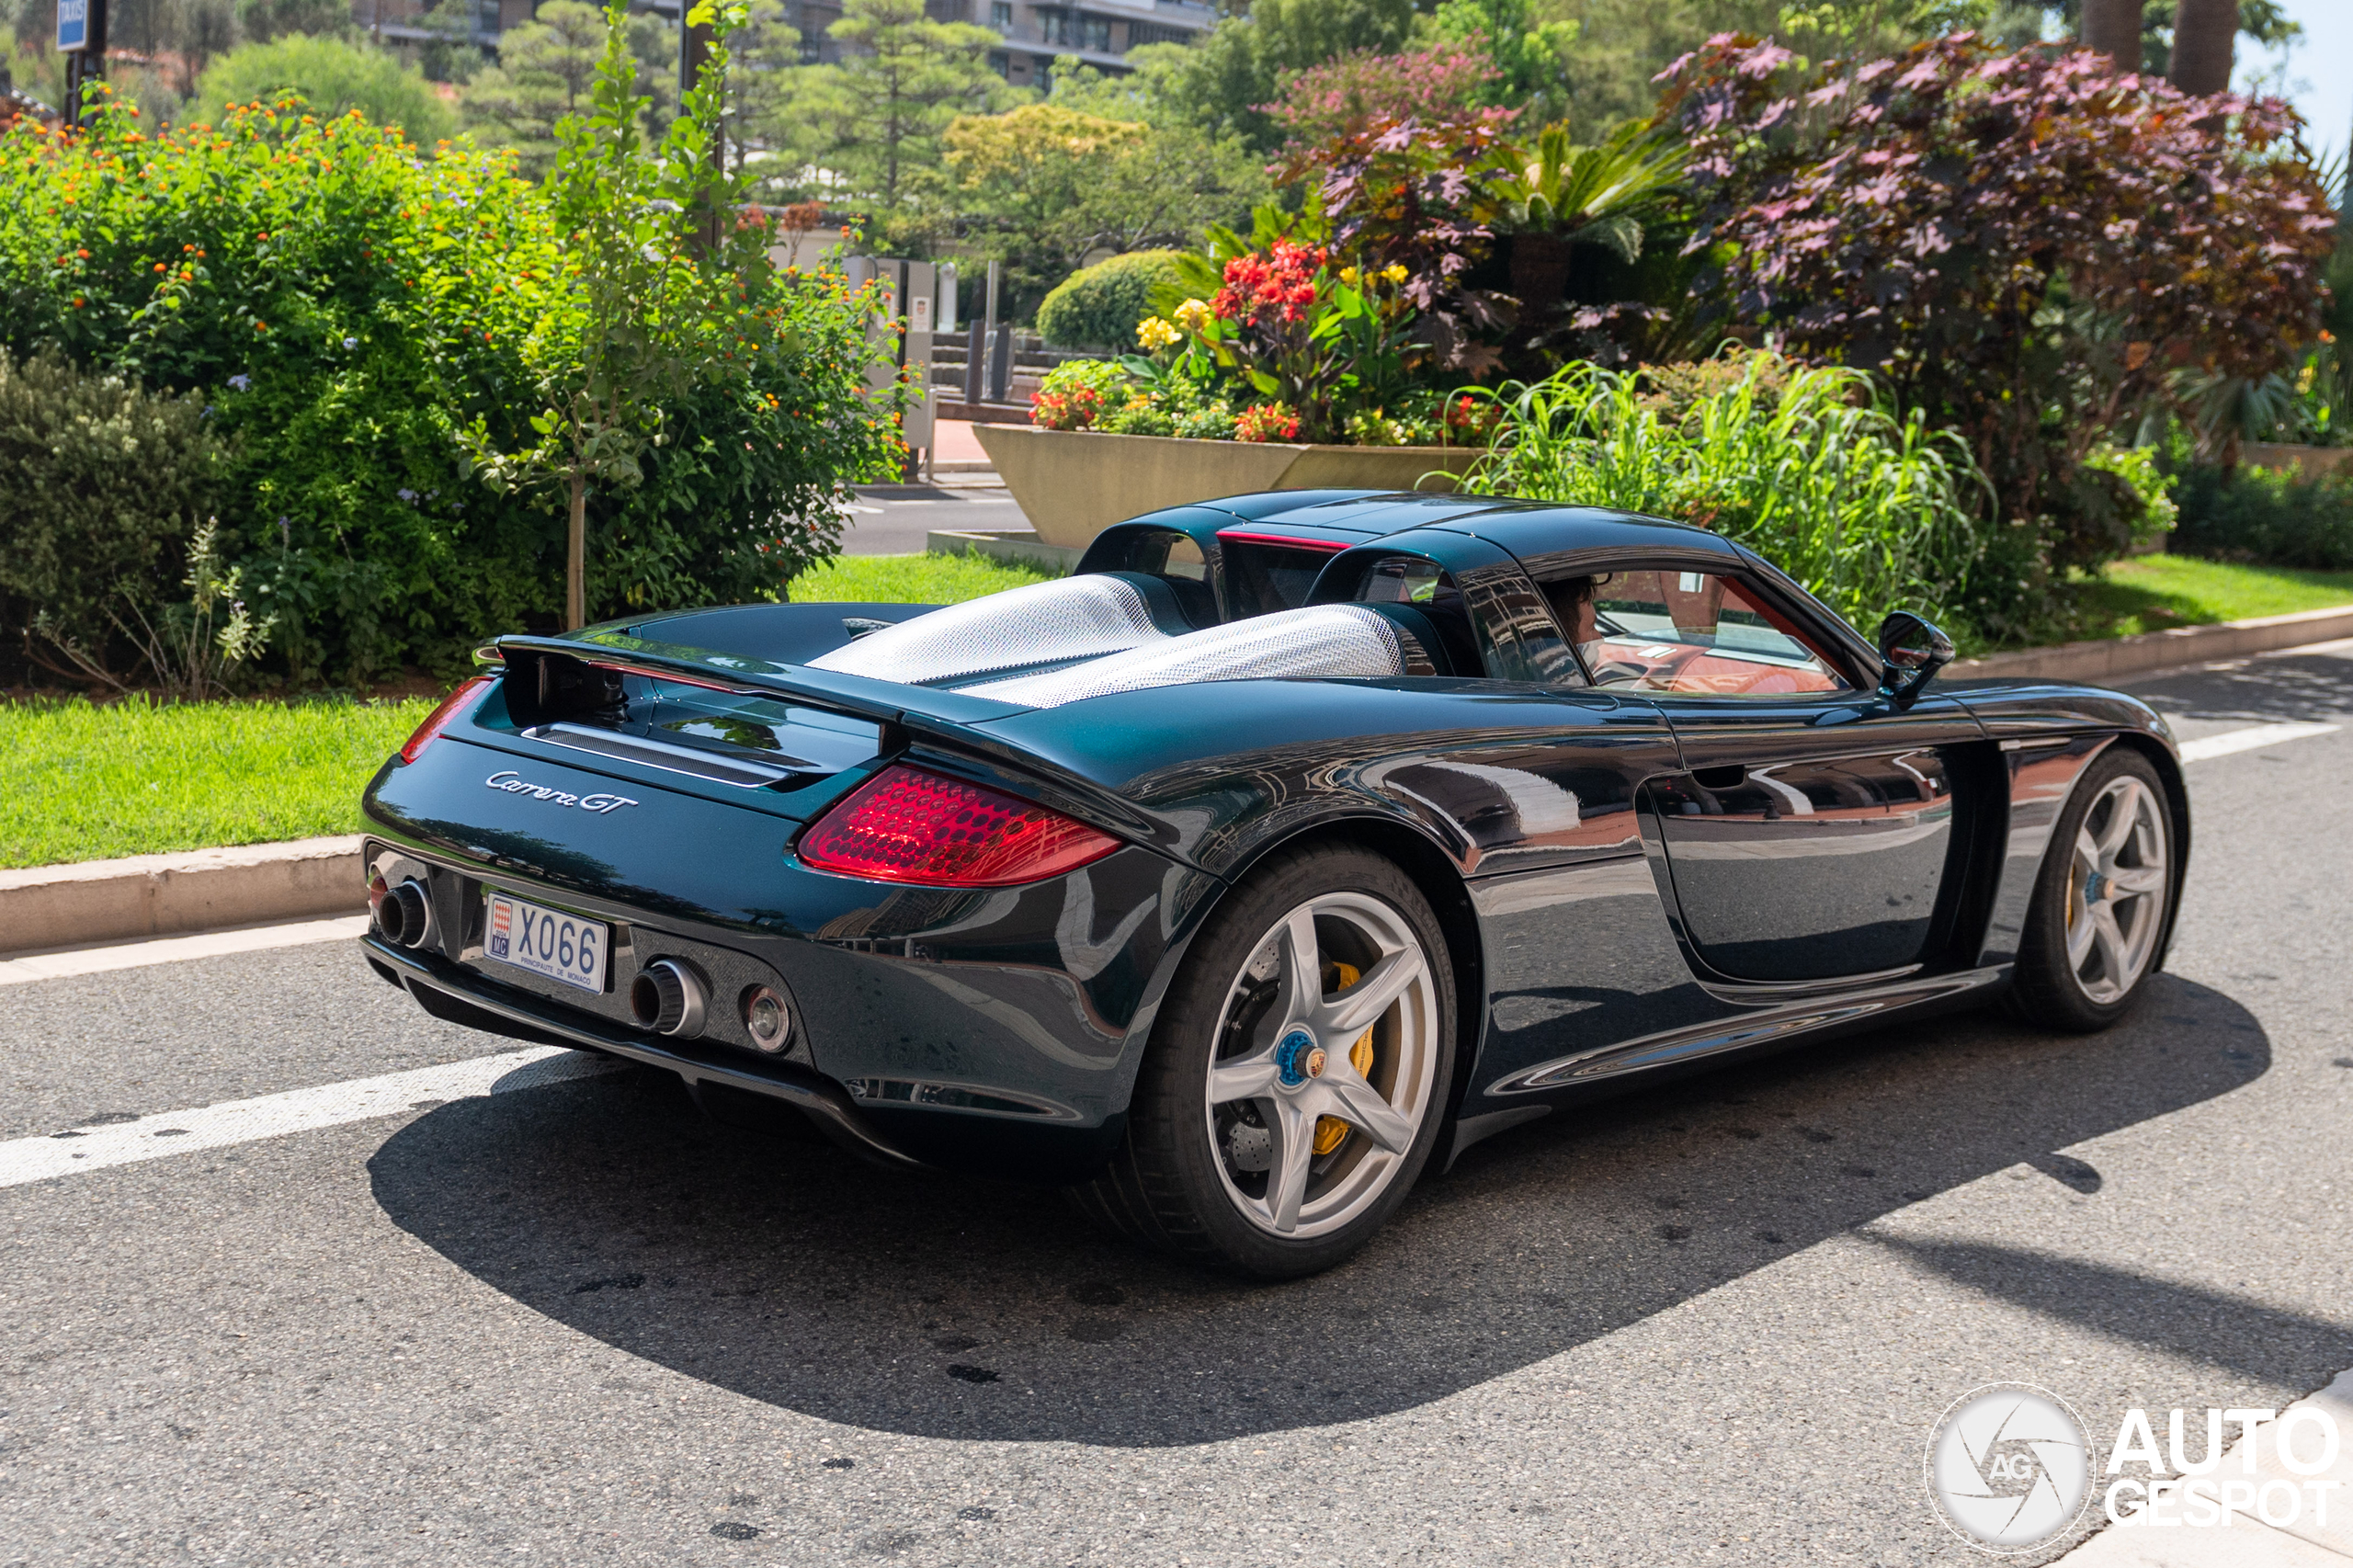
(85,62)
(1000,343)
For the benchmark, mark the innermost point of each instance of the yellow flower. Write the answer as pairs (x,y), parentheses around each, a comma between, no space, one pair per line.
(1393,273)
(1153,331)
(1348,275)
(1193,314)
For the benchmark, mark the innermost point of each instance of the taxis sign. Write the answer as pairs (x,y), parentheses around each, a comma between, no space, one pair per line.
(72,26)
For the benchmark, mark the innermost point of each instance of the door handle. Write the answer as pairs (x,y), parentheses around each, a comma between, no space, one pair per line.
(1731,777)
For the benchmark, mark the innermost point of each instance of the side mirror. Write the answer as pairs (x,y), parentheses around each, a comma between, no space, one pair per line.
(1912,651)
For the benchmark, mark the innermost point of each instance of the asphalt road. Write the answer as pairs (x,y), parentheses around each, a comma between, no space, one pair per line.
(893,519)
(1711,1324)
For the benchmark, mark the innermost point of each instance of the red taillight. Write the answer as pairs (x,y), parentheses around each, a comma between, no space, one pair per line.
(902,825)
(441,718)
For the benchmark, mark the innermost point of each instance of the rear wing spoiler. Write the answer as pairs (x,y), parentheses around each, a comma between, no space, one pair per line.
(552,678)
(583,669)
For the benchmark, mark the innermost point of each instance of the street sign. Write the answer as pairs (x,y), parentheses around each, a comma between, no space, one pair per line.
(72,26)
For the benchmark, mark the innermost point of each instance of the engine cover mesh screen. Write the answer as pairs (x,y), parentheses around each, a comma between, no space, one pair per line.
(1045,623)
(1322,639)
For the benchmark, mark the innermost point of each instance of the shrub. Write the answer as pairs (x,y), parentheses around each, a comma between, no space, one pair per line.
(1869,511)
(347,307)
(1078,393)
(2266,517)
(332,78)
(1266,422)
(2027,247)
(1343,95)
(105,485)
(1101,306)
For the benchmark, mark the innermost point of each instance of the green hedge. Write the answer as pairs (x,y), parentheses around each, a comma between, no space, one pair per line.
(1100,306)
(342,304)
(2266,517)
(105,482)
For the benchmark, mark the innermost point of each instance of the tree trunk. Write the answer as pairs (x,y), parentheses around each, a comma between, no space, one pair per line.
(2112,28)
(1539,276)
(2203,32)
(576,558)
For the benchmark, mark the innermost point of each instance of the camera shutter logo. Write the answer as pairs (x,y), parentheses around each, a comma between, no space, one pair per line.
(2009,1467)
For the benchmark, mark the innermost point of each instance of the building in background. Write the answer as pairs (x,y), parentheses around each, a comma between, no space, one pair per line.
(1099,32)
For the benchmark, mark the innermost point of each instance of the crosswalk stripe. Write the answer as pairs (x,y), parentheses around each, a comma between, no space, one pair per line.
(2230,741)
(167,1133)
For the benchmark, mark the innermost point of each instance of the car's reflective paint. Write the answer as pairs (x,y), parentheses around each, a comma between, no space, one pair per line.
(1617,901)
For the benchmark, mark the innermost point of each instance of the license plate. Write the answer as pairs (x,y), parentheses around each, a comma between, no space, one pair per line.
(545,941)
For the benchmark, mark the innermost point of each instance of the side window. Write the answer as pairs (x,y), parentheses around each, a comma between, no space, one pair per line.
(1694,632)
(1414,583)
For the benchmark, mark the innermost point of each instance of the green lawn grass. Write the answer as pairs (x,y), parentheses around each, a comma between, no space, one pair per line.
(909,579)
(2155,593)
(87,782)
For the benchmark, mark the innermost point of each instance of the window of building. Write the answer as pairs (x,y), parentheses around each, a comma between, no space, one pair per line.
(1001,16)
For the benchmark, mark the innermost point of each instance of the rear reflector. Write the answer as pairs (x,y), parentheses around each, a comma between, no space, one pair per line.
(904,825)
(452,708)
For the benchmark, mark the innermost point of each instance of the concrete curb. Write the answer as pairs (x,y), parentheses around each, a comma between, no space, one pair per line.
(2120,656)
(1016,547)
(156,896)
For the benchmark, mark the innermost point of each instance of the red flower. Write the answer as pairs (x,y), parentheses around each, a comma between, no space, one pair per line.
(1282,281)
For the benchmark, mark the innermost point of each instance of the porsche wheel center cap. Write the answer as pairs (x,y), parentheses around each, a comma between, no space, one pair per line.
(1297,1059)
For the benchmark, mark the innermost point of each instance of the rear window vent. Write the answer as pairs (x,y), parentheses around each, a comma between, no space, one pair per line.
(741,772)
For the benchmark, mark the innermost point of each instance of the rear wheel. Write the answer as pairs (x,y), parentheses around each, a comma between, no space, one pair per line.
(2101,906)
(1297,1075)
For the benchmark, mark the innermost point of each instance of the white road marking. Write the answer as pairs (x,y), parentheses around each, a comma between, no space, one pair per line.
(298,1110)
(173,950)
(2230,741)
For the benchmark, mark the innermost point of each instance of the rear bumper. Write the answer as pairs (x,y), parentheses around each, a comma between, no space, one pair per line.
(458,995)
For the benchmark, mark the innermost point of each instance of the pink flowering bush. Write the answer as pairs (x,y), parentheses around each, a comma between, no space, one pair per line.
(2031,251)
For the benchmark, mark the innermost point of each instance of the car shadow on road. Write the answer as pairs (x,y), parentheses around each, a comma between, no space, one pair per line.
(773,1266)
(2276,687)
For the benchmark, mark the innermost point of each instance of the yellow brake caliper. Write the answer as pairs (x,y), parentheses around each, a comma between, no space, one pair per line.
(1330,1131)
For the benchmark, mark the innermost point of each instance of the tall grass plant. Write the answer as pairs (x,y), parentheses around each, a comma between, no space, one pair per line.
(1871,511)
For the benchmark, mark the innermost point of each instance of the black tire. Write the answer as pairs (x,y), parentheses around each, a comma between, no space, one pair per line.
(2050,989)
(1169,1185)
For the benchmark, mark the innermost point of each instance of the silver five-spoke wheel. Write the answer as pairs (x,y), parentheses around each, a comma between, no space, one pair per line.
(2116,889)
(1325,1066)
(2103,901)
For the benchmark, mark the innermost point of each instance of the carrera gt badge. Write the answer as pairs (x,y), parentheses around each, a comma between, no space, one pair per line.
(511,783)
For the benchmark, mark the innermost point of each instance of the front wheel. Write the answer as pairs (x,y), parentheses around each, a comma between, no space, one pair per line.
(2103,901)
(1297,1075)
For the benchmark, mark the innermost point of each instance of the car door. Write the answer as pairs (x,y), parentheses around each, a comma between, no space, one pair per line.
(1812,832)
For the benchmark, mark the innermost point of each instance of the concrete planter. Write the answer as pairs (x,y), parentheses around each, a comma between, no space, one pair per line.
(2313,461)
(1071,485)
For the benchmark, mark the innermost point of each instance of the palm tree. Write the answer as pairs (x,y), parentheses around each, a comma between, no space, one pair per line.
(2112,28)
(1553,198)
(2203,32)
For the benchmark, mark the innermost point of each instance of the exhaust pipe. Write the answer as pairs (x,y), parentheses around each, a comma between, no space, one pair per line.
(668,997)
(405,914)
